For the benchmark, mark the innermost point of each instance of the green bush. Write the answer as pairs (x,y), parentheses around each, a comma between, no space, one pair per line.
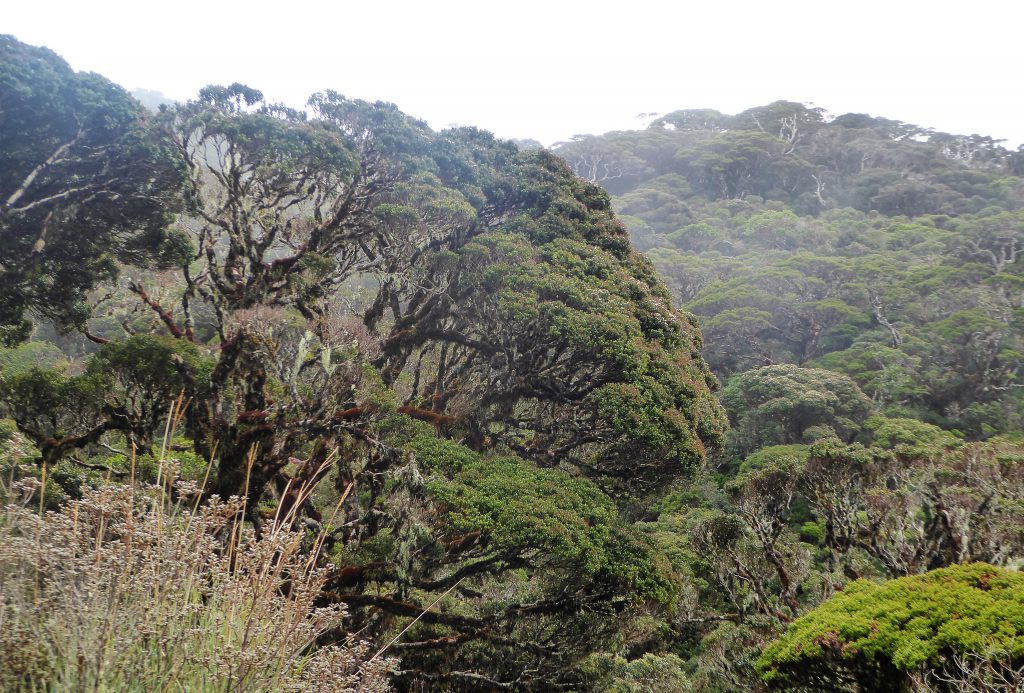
(878,635)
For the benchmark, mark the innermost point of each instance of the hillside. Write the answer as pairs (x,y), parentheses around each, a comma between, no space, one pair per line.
(859,287)
(324,399)
(865,246)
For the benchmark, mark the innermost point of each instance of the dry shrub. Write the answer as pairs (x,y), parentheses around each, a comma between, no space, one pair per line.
(116,592)
(972,673)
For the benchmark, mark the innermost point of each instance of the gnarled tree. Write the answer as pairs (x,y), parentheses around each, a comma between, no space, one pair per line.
(371,292)
(83,185)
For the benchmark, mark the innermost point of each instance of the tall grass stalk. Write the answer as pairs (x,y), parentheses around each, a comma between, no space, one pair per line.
(131,589)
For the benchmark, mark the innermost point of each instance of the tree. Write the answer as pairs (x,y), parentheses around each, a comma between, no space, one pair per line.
(996,240)
(83,185)
(601,162)
(861,247)
(789,121)
(780,405)
(502,307)
(740,163)
(926,503)
(128,386)
(481,277)
(791,311)
(890,129)
(694,119)
(763,498)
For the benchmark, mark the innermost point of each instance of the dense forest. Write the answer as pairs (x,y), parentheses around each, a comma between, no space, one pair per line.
(323,399)
(857,283)
(860,245)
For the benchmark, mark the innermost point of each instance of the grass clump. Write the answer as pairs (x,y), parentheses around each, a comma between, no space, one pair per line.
(125,590)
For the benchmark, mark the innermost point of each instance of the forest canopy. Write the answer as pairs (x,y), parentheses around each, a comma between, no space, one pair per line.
(422,389)
(857,281)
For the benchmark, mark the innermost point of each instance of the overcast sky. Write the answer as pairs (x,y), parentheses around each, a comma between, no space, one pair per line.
(550,69)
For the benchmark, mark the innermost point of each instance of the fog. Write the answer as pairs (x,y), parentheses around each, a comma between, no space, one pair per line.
(547,70)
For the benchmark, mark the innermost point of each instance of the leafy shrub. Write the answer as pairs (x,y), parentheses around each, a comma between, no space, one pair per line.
(880,635)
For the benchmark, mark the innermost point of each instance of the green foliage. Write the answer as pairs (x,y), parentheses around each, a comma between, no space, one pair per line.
(878,249)
(649,673)
(84,185)
(149,468)
(572,301)
(127,386)
(882,258)
(566,523)
(872,631)
(7,430)
(148,367)
(774,455)
(22,358)
(812,532)
(444,351)
(785,404)
(908,435)
(49,403)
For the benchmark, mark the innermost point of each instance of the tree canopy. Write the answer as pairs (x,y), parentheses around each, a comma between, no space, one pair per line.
(856,281)
(83,185)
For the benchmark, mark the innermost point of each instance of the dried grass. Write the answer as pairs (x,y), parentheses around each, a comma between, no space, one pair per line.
(125,590)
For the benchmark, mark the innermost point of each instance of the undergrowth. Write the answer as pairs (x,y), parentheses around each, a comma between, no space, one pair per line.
(133,588)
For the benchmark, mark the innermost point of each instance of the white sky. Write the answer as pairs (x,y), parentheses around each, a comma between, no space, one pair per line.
(550,69)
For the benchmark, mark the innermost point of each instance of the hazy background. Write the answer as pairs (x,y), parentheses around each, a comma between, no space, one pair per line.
(548,70)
